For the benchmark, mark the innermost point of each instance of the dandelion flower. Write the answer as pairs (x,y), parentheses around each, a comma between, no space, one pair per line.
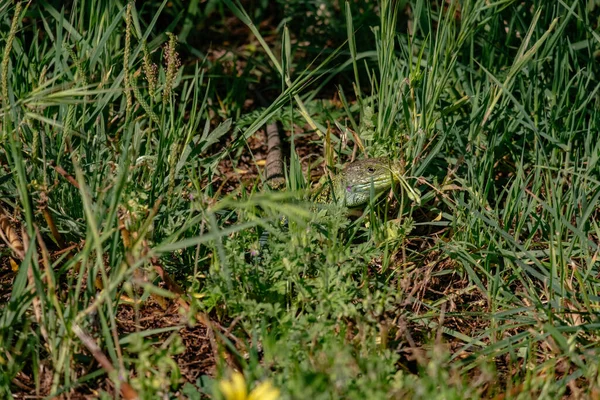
(236,389)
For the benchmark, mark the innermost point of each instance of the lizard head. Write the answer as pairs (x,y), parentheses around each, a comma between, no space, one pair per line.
(357,178)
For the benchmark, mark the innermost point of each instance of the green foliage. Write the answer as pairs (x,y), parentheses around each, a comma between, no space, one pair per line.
(121,132)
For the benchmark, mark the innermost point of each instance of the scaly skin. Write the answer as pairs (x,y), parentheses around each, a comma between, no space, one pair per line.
(352,185)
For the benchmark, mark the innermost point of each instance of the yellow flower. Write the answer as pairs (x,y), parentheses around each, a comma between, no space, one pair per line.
(264,391)
(235,389)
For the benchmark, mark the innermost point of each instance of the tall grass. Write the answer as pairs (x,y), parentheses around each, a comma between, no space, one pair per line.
(478,278)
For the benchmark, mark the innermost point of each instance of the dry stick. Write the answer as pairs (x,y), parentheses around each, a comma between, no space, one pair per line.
(67,249)
(45,259)
(55,233)
(43,205)
(126,390)
(22,386)
(65,174)
(171,284)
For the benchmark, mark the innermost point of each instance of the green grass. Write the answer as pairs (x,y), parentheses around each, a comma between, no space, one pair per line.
(112,146)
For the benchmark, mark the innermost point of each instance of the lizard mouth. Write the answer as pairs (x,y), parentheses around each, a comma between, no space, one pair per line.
(379,183)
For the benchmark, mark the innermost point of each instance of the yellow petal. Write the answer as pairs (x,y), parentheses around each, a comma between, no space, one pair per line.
(234,389)
(264,391)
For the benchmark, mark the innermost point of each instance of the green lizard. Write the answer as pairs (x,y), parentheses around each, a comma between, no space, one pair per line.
(351,187)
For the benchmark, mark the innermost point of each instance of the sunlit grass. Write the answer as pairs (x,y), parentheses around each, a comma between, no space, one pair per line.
(120,189)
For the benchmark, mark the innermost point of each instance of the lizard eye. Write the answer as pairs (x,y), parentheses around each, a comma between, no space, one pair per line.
(371,169)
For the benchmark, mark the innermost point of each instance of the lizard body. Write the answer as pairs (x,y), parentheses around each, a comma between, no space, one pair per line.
(351,187)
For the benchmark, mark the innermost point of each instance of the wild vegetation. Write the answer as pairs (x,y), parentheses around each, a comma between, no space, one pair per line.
(133,203)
